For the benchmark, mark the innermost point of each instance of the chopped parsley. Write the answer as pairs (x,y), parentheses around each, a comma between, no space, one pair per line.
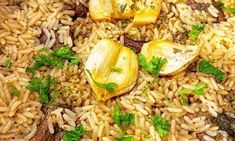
(153,67)
(110,86)
(233,97)
(7,63)
(74,135)
(43,88)
(147,136)
(129,138)
(196,29)
(161,125)
(232,10)
(221,5)
(123,7)
(116,69)
(123,120)
(13,90)
(207,67)
(198,90)
(56,58)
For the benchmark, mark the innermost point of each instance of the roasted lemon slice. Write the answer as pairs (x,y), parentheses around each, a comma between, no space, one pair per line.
(178,56)
(147,11)
(106,56)
(123,9)
(100,9)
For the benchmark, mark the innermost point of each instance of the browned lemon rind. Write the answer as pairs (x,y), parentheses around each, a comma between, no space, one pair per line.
(178,56)
(105,55)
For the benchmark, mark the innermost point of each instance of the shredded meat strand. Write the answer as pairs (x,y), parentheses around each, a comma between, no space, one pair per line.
(80,10)
(43,133)
(137,45)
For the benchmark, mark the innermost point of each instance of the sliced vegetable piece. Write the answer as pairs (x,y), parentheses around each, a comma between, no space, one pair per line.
(123,9)
(100,9)
(106,55)
(178,56)
(147,11)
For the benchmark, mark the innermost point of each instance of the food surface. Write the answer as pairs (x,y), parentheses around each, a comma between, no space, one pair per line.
(79,70)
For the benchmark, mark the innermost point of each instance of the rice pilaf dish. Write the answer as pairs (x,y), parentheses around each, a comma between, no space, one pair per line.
(45,96)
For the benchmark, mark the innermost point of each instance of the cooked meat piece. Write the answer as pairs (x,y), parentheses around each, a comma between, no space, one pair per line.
(202,6)
(221,16)
(197,6)
(42,38)
(180,36)
(80,10)
(200,136)
(43,133)
(133,44)
(224,122)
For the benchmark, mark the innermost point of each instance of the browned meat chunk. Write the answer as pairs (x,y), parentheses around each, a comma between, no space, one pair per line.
(133,44)
(80,10)
(202,6)
(43,133)
(197,6)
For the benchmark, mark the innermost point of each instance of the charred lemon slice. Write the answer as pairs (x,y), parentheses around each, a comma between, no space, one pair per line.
(178,56)
(111,63)
(123,9)
(147,11)
(100,9)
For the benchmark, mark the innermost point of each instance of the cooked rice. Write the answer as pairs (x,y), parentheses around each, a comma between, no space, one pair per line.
(20,27)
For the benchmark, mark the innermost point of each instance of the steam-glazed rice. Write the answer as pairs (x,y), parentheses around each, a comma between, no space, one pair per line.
(22,25)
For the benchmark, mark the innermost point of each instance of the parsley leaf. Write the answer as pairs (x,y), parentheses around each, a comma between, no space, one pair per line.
(220,5)
(123,7)
(147,136)
(56,58)
(232,10)
(161,125)
(207,67)
(196,29)
(116,69)
(110,86)
(198,90)
(129,138)
(43,88)
(122,119)
(153,67)
(13,90)
(74,135)
(7,63)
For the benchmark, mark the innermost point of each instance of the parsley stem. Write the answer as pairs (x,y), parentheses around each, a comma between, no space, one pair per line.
(150,84)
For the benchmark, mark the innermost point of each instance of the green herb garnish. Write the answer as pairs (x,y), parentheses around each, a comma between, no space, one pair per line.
(123,120)
(232,10)
(74,135)
(123,7)
(207,67)
(198,90)
(110,86)
(13,90)
(7,63)
(147,136)
(56,58)
(129,138)
(161,125)
(220,5)
(116,69)
(43,88)
(196,29)
(153,67)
